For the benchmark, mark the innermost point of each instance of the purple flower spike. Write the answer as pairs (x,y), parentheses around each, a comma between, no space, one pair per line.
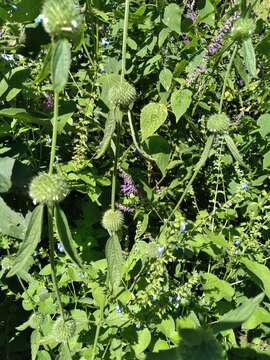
(124,208)
(48,103)
(128,187)
(190,10)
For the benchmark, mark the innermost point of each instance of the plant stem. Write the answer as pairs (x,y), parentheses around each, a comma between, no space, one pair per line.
(51,254)
(114,176)
(133,135)
(125,35)
(97,332)
(226,77)
(54,136)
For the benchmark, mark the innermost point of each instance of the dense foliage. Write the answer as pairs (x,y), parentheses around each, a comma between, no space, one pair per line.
(134,179)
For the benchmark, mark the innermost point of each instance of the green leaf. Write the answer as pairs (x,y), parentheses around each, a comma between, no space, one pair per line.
(163,36)
(65,236)
(114,258)
(144,339)
(27,10)
(233,149)
(249,57)
(266,160)
(264,124)
(108,132)
(35,338)
(262,272)
(152,117)
(207,14)
(172,17)
(165,78)
(217,289)
(12,223)
(260,316)
(14,175)
(238,316)
(159,149)
(30,242)
(61,60)
(180,102)
(46,67)
(24,116)
(43,355)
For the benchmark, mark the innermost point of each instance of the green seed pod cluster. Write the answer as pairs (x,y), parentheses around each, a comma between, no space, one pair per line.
(122,95)
(61,16)
(113,220)
(242,29)
(64,330)
(218,123)
(47,189)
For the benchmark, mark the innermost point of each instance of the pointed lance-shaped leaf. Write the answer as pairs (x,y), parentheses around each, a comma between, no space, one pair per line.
(61,59)
(114,258)
(30,242)
(233,149)
(65,236)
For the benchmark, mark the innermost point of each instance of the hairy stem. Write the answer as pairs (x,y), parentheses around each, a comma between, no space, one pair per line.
(99,325)
(52,261)
(54,135)
(125,35)
(226,78)
(133,135)
(114,176)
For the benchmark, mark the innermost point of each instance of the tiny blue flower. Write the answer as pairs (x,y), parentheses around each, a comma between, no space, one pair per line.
(81,275)
(49,141)
(177,248)
(236,242)
(38,19)
(154,298)
(178,298)
(245,186)
(177,305)
(118,309)
(60,247)
(236,252)
(170,298)
(105,42)
(137,326)
(160,250)
(182,227)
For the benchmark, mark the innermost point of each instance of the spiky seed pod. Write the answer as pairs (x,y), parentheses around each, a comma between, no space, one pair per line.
(122,95)
(113,220)
(64,330)
(47,189)
(218,123)
(242,29)
(61,16)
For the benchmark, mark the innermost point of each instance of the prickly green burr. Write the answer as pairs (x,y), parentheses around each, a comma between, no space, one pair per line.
(218,123)
(242,29)
(113,220)
(122,94)
(61,16)
(47,189)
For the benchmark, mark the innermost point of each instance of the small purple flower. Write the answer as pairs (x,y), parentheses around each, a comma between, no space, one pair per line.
(160,250)
(236,252)
(245,186)
(49,141)
(127,187)
(190,10)
(118,309)
(124,208)
(186,38)
(60,247)
(241,82)
(236,242)
(48,103)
